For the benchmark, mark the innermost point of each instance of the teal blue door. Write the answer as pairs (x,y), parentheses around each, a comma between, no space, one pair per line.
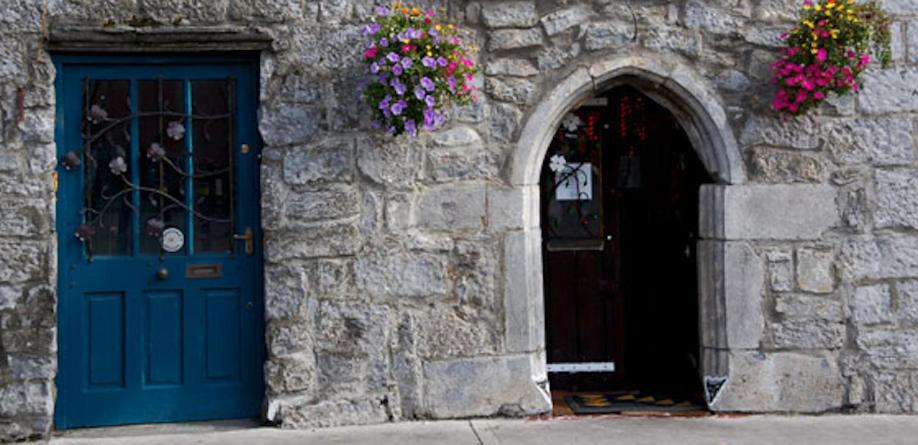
(160,313)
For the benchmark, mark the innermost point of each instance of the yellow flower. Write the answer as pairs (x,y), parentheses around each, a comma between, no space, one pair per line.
(406,41)
(429,54)
(808,24)
(817,7)
(396,5)
(438,27)
(806,7)
(814,50)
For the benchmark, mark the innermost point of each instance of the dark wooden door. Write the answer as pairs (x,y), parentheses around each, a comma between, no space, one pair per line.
(619,223)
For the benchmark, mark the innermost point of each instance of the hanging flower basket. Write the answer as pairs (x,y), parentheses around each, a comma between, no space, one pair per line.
(828,52)
(416,66)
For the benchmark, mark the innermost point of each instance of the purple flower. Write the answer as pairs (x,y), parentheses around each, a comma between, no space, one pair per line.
(411,127)
(442,61)
(376,124)
(390,130)
(430,101)
(382,11)
(407,62)
(383,78)
(429,118)
(452,84)
(370,29)
(433,33)
(427,83)
(419,92)
(374,67)
(397,70)
(429,62)
(384,104)
(393,57)
(398,107)
(399,87)
(383,42)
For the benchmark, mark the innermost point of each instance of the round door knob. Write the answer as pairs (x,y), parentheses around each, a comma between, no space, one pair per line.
(162,273)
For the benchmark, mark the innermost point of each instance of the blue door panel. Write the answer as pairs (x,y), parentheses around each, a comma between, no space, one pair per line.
(143,337)
(165,340)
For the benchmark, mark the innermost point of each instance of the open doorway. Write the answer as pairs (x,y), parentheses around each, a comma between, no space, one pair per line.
(619,203)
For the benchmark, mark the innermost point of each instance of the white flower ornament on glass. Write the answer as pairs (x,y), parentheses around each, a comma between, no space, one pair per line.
(571,122)
(557,163)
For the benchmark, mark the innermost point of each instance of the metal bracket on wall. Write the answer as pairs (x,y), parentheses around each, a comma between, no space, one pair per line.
(581,367)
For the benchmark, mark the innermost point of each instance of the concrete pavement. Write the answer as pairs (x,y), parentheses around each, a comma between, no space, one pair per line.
(831,429)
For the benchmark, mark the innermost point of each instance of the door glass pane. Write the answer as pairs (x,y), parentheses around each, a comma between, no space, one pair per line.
(106,133)
(162,163)
(573,179)
(213,160)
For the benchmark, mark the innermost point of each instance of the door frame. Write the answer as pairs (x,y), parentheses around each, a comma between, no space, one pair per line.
(252,60)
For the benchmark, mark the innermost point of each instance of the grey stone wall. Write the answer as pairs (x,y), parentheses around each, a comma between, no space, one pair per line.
(402,276)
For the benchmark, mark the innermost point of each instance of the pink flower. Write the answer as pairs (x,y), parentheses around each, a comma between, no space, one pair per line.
(822,55)
(371,52)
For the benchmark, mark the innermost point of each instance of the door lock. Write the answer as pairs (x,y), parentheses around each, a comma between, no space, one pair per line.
(249,239)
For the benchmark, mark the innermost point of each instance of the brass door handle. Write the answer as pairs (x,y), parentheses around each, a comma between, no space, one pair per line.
(249,239)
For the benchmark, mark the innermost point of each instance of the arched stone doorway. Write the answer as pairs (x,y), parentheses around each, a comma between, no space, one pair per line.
(697,109)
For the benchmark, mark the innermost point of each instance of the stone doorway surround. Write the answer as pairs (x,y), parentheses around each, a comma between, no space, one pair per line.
(737,376)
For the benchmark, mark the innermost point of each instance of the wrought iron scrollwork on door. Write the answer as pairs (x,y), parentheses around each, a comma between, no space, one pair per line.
(156,154)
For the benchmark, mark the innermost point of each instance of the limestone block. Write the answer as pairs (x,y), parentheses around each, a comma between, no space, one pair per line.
(503,122)
(894,392)
(483,387)
(912,41)
(785,166)
(744,280)
(476,271)
(267,11)
(286,337)
(352,329)
(889,256)
(27,367)
(555,57)
(334,202)
(460,136)
(897,198)
(22,261)
(907,307)
(884,141)
(303,413)
(781,270)
(732,81)
(329,161)
(291,373)
(688,43)
(564,19)
(515,208)
(447,333)
(324,240)
(800,132)
(807,334)
(508,66)
(287,124)
(400,212)
(523,287)
(777,10)
(332,278)
(806,307)
(871,304)
(506,39)
(889,91)
(171,11)
(285,290)
(37,125)
(453,207)
(780,212)
(514,14)
(815,272)
(781,382)
(889,348)
(610,34)
(396,164)
(901,7)
(25,217)
(519,91)
(700,15)
(382,275)
(464,163)
(26,399)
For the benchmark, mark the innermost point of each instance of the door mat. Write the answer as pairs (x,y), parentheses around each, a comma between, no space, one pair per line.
(633,402)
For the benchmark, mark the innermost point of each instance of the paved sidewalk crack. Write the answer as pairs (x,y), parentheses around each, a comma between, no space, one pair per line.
(475,432)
